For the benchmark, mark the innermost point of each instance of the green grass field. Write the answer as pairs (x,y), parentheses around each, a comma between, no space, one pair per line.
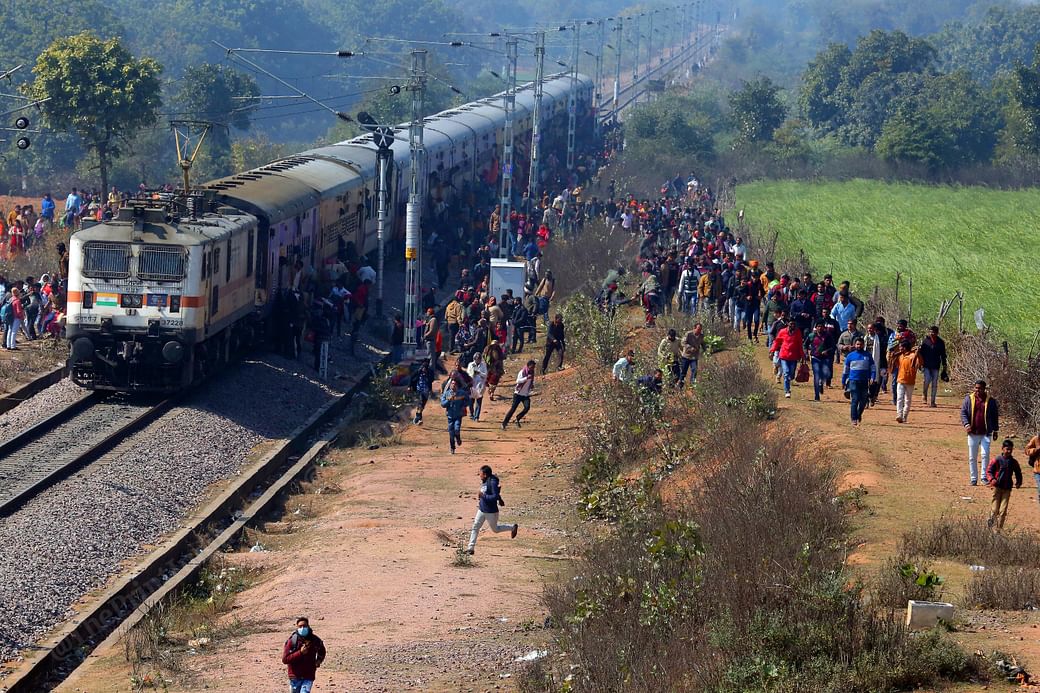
(971,239)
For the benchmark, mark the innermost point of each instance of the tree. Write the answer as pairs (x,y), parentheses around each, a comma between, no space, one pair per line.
(99,90)
(670,126)
(757,110)
(223,96)
(819,84)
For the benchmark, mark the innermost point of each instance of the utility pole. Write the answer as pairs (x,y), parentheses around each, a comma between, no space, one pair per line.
(618,42)
(599,73)
(635,66)
(572,101)
(650,52)
(506,202)
(536,117)
(413,230)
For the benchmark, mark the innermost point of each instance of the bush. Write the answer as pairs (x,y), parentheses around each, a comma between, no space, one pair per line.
(901,579)
(1004,587)
(971,540)
(591,329)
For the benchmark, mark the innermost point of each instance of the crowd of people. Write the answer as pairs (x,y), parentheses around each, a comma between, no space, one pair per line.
(691,261)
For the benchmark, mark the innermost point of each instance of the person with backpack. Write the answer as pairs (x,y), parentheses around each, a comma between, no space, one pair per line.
(302,654)
(488,500)
(1000,472)
(422,384)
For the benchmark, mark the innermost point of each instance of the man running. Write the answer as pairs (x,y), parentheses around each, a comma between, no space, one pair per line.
(521,394)
(488,500)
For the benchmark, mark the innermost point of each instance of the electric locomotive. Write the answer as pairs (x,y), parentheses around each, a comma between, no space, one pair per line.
(160,296)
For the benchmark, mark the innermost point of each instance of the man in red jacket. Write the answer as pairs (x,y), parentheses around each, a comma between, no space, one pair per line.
(788,344)
(303,654)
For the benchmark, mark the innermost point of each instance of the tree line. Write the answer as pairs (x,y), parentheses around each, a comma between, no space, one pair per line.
(966,97)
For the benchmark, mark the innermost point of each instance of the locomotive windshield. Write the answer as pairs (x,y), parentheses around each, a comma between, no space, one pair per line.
(103,260)
(161,263)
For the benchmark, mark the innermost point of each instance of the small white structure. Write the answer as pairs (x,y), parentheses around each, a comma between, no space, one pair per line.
(507,274)
(920,615)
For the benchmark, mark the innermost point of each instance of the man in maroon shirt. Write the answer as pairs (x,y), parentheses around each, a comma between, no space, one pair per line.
(303,653)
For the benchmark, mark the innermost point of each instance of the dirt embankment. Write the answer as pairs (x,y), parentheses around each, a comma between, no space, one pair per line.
(370,561)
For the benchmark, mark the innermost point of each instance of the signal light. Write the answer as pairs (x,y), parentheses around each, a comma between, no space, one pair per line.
(395,90)
(23,143)
(21,123)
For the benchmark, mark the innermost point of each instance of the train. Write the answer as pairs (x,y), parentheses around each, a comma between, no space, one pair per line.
(166,293)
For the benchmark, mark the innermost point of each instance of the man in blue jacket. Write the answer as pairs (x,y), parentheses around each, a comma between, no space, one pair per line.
(488,501)
(856,377)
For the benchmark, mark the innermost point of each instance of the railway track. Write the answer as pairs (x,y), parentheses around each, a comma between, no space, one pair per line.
(178,559)
(65,442)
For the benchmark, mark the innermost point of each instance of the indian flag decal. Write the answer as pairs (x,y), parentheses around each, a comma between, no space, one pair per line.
(107,301)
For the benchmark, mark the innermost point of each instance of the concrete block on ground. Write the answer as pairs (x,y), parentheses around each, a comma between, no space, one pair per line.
(927,614)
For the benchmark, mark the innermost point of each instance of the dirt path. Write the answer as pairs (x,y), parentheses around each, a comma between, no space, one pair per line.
(370,566)
(913,473)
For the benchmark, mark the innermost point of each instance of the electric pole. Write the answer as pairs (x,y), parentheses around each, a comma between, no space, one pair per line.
(599,73)
(413,230)
(536,117)
(618,42)
(572,101)
(635,66)
(506,202)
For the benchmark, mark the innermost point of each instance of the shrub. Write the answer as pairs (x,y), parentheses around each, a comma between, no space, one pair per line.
(901,579)
(971,540)
(1004,587)
(591,329)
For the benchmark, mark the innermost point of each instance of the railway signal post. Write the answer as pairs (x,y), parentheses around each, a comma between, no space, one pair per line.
(383,137)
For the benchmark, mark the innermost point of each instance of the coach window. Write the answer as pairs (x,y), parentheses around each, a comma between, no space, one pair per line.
(215,263)
(227,274)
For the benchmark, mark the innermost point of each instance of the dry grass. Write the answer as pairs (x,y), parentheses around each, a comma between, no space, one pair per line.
(970,540)
(1004,587)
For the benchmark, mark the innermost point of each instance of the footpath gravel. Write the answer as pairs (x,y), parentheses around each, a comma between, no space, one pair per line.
(74,537)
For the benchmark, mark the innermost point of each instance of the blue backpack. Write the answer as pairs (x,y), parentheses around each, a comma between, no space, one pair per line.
(7,314)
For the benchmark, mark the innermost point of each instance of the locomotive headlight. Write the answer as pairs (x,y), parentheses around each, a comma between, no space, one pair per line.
(175,304)
(130,300)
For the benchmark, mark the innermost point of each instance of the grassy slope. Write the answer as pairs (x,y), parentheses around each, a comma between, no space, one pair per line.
(973,239)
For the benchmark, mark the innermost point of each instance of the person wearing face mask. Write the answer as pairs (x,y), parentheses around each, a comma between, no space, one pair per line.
(303,653)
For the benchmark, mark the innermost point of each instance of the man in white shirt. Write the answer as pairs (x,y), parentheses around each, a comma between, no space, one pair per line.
(622,370)
(521,394)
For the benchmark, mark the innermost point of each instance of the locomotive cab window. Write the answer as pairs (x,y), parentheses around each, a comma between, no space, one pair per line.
(215,264)
(103,260)
(161,263)
(227,274)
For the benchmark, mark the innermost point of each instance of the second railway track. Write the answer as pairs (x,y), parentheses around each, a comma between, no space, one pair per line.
(62,444)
